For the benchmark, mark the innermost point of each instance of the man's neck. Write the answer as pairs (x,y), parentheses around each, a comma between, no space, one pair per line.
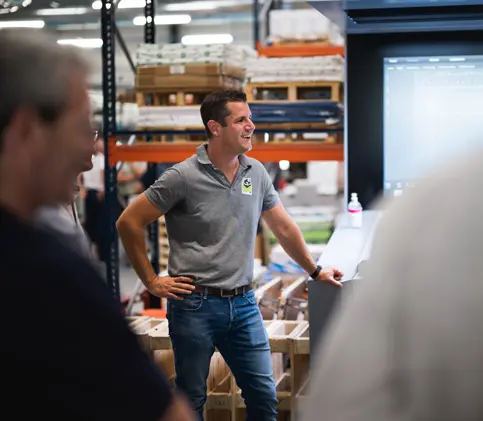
(225,162)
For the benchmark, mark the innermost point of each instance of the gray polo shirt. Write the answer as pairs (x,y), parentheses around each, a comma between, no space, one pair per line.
(211,224)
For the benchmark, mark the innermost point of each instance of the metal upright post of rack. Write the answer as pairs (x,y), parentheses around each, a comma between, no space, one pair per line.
(109,129)
(153,229)
(109,31)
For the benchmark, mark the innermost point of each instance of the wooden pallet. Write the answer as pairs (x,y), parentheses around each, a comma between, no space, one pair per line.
(283,138)
(180,138)
(297,42)
(173,97)
(294,91)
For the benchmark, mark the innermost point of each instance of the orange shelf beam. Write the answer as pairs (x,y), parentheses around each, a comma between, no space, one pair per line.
(299,50)
(177,152)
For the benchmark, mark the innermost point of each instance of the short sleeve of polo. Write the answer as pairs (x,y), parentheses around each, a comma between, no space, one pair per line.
(270,197)
(168,190)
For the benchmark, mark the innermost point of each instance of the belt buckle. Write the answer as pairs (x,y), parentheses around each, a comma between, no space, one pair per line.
(229,295)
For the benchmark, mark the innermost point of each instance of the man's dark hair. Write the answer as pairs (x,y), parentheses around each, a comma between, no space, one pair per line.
(214,107)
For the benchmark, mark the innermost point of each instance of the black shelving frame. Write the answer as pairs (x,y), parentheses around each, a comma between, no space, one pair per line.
(109,33)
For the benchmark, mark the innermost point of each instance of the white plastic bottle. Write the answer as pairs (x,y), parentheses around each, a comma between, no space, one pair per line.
(355,212)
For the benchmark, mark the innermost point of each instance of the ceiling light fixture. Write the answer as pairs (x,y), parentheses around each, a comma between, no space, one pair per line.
(62,11)
(22,24)
(164,20)
(82,42)
(207,39)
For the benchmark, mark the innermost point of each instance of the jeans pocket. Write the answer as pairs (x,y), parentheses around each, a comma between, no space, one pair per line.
(192,302)
(250,296)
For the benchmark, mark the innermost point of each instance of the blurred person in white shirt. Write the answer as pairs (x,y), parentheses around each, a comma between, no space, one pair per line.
(94,203)
(406,343)
(64,218)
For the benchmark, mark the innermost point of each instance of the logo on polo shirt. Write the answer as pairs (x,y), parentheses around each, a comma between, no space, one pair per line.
(247,186)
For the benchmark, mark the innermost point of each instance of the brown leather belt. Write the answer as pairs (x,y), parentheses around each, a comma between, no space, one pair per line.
(224,293)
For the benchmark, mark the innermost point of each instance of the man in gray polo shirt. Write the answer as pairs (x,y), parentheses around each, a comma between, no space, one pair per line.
(212,203)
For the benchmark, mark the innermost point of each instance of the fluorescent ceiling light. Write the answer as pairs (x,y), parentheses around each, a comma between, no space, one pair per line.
(164,20)
(22,24)
(82,42)
(62,11)
(207,39)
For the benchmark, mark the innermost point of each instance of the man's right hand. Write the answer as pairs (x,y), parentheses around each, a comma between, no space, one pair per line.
(169,287)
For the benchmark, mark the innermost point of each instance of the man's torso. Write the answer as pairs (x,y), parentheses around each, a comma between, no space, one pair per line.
(212,232)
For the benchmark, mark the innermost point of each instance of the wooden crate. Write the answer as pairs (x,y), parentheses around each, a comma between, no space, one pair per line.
(300,366)
(163,244)
(294,91)
(290,346)
(283,298)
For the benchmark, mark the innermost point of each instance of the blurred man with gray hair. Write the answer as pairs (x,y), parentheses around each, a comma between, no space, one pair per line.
(67,352)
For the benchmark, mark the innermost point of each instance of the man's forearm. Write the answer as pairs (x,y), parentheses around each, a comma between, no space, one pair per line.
(133,240)
(292,241)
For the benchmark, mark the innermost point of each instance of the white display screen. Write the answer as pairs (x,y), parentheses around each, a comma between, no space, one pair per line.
(433,113)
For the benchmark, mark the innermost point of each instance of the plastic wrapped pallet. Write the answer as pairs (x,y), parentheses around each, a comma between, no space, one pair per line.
(168,54)
(322,68)
(304,25)
(175,117)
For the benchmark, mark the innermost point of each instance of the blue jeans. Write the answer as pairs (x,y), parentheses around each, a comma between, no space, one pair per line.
(235,327)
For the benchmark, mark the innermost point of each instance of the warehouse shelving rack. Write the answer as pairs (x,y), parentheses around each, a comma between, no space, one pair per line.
(154,153)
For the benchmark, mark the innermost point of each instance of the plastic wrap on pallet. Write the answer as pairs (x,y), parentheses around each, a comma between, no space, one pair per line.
(328,112)
(168,116)
(165,54)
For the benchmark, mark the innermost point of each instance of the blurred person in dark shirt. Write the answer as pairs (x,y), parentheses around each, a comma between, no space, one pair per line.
(67,352)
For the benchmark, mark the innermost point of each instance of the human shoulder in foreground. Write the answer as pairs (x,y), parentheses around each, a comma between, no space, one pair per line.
(406,345)
(79,355)
(67,352)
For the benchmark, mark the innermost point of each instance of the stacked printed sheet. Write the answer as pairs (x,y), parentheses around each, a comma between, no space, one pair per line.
(167,117)
(328,112)
(296,69)
(167,54)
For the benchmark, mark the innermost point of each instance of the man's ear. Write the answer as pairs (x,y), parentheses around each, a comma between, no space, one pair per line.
(20,128)
(214,127)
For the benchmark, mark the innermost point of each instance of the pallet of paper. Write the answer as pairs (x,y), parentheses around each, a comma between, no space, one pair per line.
(175,117)
(303,25)
(322,68)
(162,54)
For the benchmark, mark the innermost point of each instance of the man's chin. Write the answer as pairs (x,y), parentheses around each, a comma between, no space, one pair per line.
(247,146)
